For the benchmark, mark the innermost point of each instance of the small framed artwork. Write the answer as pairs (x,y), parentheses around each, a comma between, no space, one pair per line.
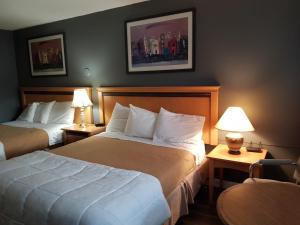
(47,56)
(161,43)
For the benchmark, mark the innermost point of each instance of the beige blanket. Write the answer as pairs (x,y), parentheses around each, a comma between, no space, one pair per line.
(18,141)
(169,165)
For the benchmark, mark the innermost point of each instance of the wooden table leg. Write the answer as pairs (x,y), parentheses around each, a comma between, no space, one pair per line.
(221,177)
(211,180)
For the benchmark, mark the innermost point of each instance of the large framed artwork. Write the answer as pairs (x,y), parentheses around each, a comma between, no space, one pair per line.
(161,43)
(47,56)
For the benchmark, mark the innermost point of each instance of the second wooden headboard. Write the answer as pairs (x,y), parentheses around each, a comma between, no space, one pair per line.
(59,94)
(193,100)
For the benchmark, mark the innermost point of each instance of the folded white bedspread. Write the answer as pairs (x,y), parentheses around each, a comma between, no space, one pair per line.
(2,152)
(41,188)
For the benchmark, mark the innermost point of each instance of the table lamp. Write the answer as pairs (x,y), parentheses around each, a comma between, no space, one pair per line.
(234,120)
(81,100)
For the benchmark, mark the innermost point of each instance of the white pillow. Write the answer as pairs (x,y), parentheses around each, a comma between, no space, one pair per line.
(28,112)
(179,131)
(62,112)
(42,112)
(140,123)
(118,119)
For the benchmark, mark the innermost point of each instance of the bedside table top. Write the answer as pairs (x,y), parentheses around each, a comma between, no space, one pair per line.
(90,128)
(220,152)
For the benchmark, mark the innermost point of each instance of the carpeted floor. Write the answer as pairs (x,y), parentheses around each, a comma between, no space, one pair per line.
(201,213)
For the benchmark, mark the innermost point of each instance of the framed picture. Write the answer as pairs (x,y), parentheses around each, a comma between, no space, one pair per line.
(47,55)
(161,43)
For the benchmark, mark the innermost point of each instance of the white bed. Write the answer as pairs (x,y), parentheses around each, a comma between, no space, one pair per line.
(107,195)
(44,188)
(41,188)
(47,109)
(54,132)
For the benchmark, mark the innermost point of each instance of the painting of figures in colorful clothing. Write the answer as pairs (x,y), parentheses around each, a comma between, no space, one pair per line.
(160,43)
(47,55)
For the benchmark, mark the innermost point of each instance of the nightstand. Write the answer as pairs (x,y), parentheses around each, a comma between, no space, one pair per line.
(220,158)
(76,133)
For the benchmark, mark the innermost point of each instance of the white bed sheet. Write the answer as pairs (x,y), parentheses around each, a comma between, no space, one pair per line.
(119,135)
(53,130)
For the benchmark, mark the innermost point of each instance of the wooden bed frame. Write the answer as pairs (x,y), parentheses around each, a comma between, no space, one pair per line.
(193,100)
(60,94)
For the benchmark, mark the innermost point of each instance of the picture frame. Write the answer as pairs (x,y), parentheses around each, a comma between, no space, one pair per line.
(161,43)
(47,55)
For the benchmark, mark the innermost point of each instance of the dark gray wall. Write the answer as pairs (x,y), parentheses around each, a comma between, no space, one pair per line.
(251,48)
(9,95)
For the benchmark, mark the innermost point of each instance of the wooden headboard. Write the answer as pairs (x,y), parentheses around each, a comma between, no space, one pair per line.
(59,94)
(194,100)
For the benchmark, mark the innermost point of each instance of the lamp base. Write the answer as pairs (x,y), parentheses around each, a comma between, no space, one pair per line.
(234,152)
(82,125)
(234,142)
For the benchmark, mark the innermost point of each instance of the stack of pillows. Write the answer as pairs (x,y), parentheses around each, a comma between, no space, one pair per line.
(48,112)
(165,128)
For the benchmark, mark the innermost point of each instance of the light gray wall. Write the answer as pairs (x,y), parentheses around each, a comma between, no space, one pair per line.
(251,48)
(9,95)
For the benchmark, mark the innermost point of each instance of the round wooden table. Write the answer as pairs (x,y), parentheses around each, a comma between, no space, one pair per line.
(260,204)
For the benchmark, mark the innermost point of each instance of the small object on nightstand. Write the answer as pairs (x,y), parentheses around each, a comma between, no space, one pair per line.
(251,148)
(76,132)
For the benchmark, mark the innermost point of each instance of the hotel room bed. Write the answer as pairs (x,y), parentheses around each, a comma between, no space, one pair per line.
(44,188)
(21,137)
(65,186)
(147,173)
(178,171)
(169,165)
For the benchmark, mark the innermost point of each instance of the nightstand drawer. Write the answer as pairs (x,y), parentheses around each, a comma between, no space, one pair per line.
(76,133)
(72,137)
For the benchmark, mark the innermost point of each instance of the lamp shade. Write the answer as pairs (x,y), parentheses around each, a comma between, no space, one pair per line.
(234,119)
(81,98)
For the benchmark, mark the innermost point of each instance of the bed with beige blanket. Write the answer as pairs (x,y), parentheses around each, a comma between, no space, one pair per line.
(19,140)
(176,169)
(77,181)
(44,188)
(169,165)
(178,172)
(20,137)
